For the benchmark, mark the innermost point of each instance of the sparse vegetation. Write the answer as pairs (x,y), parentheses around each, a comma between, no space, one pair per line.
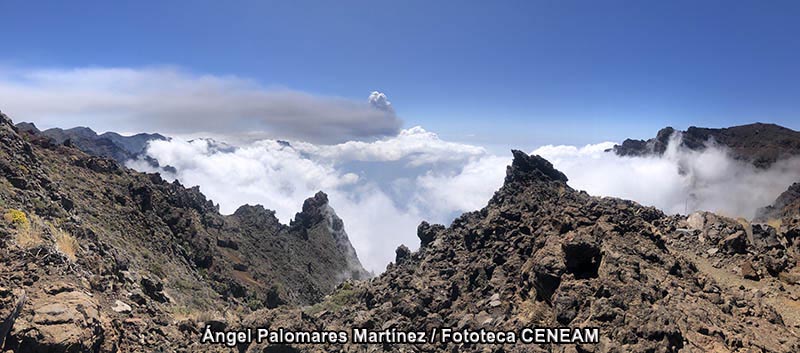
(17,218)
(28,232)
(65,242)
(774,223)
(337,300)
(156,269)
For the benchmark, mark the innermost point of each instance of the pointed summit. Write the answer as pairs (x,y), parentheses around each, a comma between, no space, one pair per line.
(525,167)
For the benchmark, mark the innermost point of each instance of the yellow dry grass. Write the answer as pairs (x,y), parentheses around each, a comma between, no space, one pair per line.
(65,243)
(774,223)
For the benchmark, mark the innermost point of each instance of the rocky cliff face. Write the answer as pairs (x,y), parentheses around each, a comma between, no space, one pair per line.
(761,144)
(98,257)
(784,215)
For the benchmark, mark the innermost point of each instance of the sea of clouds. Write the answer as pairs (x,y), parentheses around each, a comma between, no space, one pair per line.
(382,180)
(385,188)
(382,189)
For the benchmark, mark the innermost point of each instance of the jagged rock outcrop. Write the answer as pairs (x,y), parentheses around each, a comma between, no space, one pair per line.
(309,257)
(109,259)
(760,144)
(542,254)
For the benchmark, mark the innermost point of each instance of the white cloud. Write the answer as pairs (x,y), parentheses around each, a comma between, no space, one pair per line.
(172,101)
(681,181)
(381,205)
(467,189)
(384,189)
(375,224)
(264,172)
(416,145)
(380,101)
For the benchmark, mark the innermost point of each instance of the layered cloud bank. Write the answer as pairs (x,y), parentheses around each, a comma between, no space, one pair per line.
(383,189)
(174,101)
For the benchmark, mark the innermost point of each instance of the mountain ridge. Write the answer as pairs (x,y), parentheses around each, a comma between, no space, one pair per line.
(759,143)
(109,144)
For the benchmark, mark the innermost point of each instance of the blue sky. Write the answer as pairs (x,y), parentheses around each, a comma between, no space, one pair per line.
(519,73)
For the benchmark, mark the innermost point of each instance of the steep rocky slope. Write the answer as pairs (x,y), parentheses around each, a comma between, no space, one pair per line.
(761,144)
(103,258)
(543,254)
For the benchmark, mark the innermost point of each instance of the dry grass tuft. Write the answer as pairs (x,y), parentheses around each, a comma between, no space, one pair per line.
(28,238)
(65,243)
(774,223)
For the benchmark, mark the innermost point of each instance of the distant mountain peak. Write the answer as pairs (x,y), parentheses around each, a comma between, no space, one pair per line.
(110,144)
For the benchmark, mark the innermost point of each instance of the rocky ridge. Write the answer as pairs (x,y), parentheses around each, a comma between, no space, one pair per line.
(785,211)
(760,144)
(100,258)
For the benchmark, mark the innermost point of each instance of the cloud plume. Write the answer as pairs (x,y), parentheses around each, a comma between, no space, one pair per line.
(173,101)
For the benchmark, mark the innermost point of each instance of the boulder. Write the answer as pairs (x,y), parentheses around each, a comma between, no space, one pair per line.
(65,322)
(748,271)
(121,307)
(735,243)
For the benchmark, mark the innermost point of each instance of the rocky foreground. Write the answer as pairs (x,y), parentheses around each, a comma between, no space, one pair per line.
(95,257)
(126,262)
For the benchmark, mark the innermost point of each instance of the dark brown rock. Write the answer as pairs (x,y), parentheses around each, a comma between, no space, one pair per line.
(749,272)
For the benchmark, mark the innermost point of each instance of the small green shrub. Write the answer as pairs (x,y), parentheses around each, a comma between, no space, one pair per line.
(345,295)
